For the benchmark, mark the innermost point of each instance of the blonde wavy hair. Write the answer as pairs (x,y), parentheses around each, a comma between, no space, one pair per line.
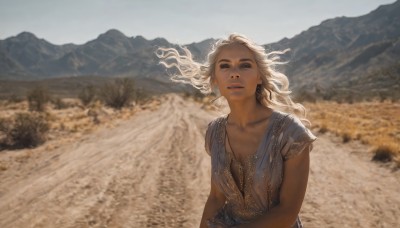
(273,92)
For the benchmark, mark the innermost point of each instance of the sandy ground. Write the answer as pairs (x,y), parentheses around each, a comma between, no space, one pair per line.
(152,171)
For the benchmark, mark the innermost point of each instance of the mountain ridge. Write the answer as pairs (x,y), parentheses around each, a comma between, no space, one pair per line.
(342,53)
(339,54)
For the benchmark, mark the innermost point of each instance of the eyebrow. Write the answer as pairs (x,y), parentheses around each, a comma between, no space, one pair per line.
(241,60)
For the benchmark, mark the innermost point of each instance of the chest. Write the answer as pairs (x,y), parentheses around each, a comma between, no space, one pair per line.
(244,143)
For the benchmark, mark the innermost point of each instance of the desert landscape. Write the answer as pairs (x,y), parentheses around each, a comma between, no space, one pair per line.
(96,134)
(146,166)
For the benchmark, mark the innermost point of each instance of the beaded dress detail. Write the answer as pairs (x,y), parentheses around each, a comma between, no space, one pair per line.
(256,189)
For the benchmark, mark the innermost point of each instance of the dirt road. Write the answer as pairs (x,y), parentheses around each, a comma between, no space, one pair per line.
(152,171)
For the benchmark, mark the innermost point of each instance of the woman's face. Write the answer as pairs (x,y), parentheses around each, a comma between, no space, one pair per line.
(236,73)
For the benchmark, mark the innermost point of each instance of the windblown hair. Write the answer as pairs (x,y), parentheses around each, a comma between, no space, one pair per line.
(273,92)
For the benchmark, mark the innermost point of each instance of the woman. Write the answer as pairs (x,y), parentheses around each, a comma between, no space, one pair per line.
(260,150)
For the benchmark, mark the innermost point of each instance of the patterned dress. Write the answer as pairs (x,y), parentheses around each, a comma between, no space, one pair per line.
(261,174)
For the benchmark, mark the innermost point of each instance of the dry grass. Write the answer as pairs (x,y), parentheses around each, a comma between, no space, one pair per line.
(75,120)
(373,123)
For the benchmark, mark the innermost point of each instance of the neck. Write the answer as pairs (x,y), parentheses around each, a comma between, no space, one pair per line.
(245,112)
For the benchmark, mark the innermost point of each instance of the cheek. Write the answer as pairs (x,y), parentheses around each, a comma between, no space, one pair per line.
(253,77)
(219,78)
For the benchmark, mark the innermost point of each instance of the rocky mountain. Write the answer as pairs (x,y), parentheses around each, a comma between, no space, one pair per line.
(26,55)
(201,49)
(111,54)
(357,56)
(341,57)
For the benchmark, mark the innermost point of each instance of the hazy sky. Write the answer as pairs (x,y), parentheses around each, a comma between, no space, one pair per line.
(179,21)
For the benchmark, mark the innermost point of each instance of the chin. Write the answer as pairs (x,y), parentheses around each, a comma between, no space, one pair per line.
(239,97)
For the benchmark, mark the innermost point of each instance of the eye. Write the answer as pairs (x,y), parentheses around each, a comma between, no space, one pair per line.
(223,66)
(245,65)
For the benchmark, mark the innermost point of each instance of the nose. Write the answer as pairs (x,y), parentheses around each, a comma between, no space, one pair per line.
(234,74)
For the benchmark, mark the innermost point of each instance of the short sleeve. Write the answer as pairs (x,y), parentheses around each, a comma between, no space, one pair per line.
(297,138)
(212,133)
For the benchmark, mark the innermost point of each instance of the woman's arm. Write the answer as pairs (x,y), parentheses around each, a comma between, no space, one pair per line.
(215,201)
(292,193)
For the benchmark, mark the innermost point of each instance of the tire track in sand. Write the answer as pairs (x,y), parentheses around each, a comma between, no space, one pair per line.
(152,171)
(171,202)
(109,179)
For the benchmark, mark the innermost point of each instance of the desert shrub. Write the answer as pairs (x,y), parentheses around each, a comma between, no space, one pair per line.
(328,94)
(141,96)
(59,103)
(14,98)
(394,100)
(5,126)
(186,94)
(87,94)
(118,93)
(382,97)
(383,154)
(323,129)
(24,130)
(37,99)
(349,99)
(306,96)
(346,137)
